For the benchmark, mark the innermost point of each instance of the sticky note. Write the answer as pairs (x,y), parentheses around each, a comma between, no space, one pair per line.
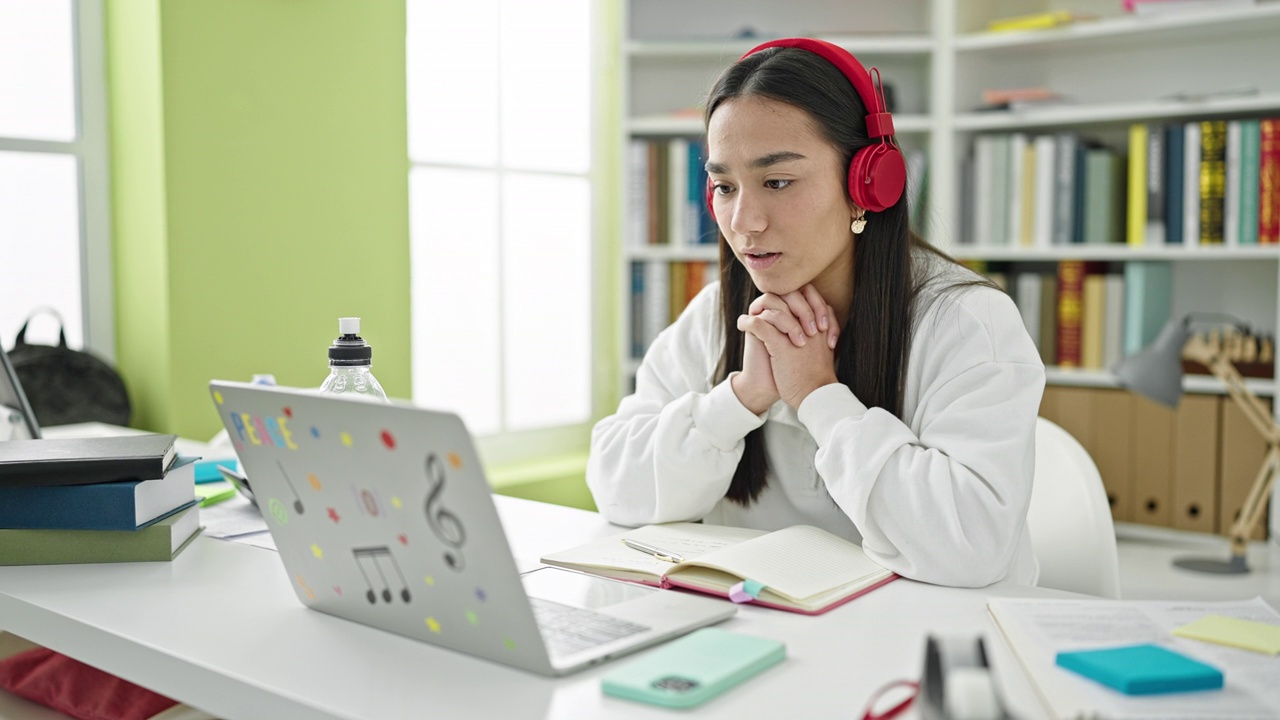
(1246,634)
(214,493)
(745,591)
(1142,669)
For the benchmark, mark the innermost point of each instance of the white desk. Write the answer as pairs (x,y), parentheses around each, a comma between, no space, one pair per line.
(220,629)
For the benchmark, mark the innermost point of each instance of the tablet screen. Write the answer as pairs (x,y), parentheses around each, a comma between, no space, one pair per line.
(17,422)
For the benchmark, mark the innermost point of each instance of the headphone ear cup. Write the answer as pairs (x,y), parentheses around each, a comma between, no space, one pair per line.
(877,177)
(711,196)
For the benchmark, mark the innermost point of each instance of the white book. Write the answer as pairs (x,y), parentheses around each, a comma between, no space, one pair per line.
(657,299)
(1045,148)
(1112,320)
(1027,297)
(1017,203)
(677,190)
(1191,187)
(638,193)
(983,190)
(1231,192)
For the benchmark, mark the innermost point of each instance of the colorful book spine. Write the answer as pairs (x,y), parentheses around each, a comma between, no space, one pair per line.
(1231,187)
(1064,188)
(1016,167)
(1154,232)
(1250,141)
(1174,170)
(1191,185)
(1269,182)
(1042,217)
(1137,225)
(1092,314)
(637,310)
(1213,158)
(1148,296)
(1070,312)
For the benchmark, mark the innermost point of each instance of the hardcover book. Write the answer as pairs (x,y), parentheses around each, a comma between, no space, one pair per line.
(162,540)
(801,568)
(80,461)
(119,505)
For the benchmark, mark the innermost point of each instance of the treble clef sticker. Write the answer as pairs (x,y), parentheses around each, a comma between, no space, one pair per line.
(444,523)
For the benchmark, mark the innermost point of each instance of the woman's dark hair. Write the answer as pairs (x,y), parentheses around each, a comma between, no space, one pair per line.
(874,344)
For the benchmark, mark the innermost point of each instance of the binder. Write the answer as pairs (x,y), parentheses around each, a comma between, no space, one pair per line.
(1151,459)
(1113,430)
(1195,464)
(1241,458)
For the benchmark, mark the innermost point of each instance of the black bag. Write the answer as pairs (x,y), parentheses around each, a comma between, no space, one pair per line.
(68,386)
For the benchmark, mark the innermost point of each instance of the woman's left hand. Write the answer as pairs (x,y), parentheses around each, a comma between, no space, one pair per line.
(798,369)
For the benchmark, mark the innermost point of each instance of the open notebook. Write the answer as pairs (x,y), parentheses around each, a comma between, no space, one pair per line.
(802,569)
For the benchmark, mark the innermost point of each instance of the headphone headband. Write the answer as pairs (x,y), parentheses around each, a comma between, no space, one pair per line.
(879,121)
(877,173)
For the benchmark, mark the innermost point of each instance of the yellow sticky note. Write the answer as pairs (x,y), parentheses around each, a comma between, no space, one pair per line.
(1247,634)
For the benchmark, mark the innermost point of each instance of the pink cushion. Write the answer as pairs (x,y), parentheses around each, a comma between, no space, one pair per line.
(71,687)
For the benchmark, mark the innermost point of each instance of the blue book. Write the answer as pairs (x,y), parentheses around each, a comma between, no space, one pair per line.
(1142,669)
(1174,161)
(1148,297)
(120,505)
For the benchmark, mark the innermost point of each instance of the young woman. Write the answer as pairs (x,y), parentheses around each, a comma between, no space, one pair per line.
(842,373)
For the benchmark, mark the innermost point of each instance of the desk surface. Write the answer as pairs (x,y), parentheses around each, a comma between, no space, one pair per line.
(220,629)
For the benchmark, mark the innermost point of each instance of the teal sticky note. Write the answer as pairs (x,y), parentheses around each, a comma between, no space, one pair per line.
(1142,669)
(207,470)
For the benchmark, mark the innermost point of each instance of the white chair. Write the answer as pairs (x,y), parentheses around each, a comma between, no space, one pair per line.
(1069,518)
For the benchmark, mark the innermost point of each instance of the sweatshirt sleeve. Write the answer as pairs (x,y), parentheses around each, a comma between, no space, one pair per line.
(669,453)
(946,504)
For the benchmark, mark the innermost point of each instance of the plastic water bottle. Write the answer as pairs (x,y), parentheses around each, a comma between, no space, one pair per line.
(351,365)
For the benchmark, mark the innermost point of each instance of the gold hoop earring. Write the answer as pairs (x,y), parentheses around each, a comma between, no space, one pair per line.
(858,225)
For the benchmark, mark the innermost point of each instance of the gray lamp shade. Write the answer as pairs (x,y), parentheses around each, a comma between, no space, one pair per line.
(1155,371)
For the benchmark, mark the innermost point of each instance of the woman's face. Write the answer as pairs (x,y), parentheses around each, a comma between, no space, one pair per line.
(780,196)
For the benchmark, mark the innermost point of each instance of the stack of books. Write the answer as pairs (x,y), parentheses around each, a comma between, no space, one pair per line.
(95,500)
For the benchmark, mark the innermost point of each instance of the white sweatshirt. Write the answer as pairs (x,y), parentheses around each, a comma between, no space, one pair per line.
(940,495)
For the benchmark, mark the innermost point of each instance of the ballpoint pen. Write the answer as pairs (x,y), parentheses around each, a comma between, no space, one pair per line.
(656,552)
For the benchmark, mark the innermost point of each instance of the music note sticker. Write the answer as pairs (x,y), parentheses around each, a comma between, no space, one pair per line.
(443,522)
(315,550)
(297,499)
(346,439)
(276,508)
(433,625)
(368,502)
(374,555)
(217,397)
(472,617)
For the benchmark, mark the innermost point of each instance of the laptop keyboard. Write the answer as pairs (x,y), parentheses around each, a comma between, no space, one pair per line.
(567,629)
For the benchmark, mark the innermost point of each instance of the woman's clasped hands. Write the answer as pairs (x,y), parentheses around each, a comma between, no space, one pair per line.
(790,349)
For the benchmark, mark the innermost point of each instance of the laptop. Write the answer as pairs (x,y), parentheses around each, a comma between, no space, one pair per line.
(17,421)
(382,515)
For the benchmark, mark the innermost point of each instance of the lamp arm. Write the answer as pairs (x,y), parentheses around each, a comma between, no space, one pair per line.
(1251,510)
(1249,403)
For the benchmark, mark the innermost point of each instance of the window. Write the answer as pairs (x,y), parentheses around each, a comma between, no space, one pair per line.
(54,235)
(500,216)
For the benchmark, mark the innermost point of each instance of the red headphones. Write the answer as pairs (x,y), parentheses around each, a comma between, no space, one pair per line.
(877,173)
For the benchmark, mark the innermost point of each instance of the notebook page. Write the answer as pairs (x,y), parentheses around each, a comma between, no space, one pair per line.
(690,540)
(798,562)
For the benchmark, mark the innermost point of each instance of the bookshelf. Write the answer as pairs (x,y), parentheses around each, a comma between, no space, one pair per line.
(1117,69)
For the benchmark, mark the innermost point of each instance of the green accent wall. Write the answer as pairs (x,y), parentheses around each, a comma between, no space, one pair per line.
(259,192)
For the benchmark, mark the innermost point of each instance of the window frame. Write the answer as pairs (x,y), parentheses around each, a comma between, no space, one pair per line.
(508,447)
(90,148)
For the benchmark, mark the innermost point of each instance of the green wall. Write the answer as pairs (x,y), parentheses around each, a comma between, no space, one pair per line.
(260,191)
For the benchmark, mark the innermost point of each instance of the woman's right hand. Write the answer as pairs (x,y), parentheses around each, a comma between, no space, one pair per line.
(754,386)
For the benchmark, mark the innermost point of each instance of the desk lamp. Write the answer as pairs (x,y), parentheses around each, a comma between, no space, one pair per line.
(1155,372)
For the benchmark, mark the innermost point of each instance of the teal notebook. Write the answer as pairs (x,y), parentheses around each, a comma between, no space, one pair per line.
(1142,669)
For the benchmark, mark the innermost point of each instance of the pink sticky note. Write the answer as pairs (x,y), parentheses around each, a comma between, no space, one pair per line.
(738,594)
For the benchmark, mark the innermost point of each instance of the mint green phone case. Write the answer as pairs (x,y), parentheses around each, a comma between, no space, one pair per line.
(693,669)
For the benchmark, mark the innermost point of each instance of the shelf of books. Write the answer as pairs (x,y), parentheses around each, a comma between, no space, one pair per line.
(1086,238)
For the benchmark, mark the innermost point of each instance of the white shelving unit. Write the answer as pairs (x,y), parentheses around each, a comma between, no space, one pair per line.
(1118,69)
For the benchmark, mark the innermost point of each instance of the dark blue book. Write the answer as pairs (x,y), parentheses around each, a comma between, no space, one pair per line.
(120,505)
(1174,158)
